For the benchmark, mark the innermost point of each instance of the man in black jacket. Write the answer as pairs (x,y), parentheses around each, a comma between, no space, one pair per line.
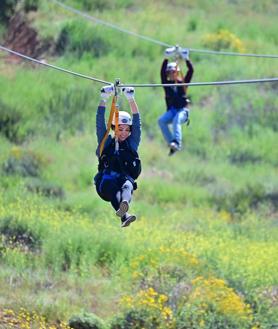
(175,96)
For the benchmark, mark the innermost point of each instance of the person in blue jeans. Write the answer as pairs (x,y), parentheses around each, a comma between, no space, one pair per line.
(119,164)
(177,112)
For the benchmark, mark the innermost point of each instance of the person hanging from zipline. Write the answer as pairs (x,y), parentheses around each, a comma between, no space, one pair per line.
(119,164)
(177,112)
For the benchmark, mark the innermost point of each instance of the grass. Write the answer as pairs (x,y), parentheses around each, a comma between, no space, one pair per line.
(206,217)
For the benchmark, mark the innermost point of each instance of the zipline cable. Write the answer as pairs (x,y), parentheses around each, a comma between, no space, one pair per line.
(139,85)
(113,26)
(53,66)
(192,84)
(116,27)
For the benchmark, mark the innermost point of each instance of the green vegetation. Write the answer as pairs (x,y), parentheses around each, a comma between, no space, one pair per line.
(203,252)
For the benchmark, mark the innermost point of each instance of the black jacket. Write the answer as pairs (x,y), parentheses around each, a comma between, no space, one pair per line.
(126,161)
(175,96)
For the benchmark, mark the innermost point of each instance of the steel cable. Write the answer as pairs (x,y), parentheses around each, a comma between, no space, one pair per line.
(116,27)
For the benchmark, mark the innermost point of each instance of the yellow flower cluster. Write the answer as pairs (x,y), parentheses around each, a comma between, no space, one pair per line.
(178,255)
(34,209)
(26,320)
(154,258)
(215,291)
(153,302)
(223,39)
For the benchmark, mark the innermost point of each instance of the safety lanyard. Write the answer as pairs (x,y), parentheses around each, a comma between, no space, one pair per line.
(116,128)
(114,111)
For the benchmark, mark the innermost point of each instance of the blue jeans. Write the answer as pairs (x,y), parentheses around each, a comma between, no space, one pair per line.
(176,117)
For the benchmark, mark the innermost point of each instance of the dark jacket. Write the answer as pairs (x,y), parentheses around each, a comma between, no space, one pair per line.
(175,96)
(126,160)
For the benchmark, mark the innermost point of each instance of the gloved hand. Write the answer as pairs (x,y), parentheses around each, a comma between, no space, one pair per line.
(106,92)
(129,93)
(184,53)
(170,52)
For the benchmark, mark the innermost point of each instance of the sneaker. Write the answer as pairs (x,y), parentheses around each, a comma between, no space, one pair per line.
(171,152)
(123,208)
(174,147)
(126,220)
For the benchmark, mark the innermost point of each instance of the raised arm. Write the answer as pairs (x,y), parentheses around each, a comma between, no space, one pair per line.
(135,136)
(190,71)
(105,93)
(163,74)
(100,121)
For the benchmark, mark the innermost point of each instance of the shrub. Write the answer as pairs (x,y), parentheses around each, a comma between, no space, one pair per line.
(9,122)
(31,5)
(86,321)
(102,5)
(192,25)
(147,309)
(18,234)
(67,110)
(212,304)
(70,40)
(46,189)
(24,318)
(134,319)
(23,163)
(223,39)
(163,268)
(242,157)
(249,197)
(7,9)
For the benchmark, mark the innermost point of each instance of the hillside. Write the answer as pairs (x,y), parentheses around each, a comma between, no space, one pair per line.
(203,251)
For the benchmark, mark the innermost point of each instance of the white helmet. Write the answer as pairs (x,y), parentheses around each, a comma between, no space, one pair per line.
(172,66)
(124,119)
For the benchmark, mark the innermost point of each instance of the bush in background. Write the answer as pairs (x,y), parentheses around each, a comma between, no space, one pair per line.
(92,40)
(10,119)
(223,39)
(7,9)
(86,321)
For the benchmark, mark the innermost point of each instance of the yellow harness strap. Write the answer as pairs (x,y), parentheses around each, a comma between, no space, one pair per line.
(113,111)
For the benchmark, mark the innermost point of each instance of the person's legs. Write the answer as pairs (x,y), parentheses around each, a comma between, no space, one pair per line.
(180,118)
(163,122)
(107,187)
(124,197)
(117,190)
(127,190)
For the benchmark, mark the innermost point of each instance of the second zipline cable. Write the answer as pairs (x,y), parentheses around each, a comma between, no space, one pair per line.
(209,83)
(116,27)
(215,83)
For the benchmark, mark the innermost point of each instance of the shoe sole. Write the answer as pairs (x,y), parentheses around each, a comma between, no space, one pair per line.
(123,209)
(129,221)
(172,152)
